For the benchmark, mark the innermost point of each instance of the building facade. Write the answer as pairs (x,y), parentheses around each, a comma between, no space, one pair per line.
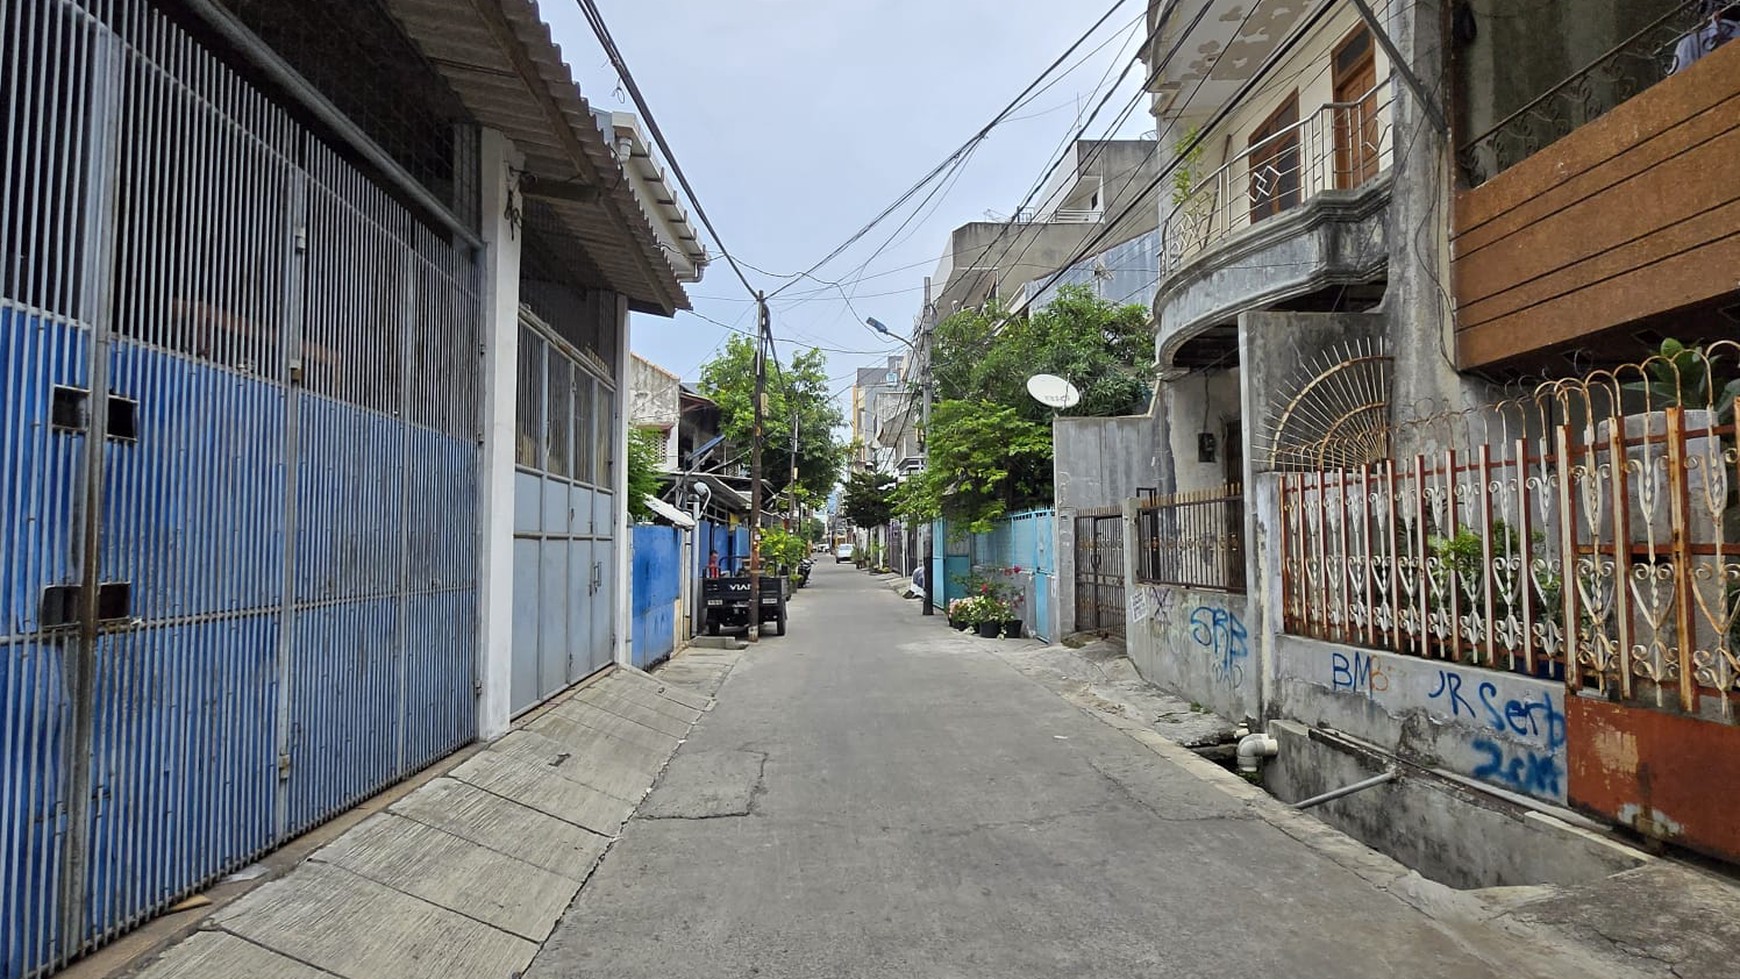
(312,323)
(1409,439)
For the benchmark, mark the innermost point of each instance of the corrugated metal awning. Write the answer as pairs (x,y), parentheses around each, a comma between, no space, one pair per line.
(502,63)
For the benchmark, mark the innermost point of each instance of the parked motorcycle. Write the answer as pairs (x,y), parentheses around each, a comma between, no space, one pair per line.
(803,575)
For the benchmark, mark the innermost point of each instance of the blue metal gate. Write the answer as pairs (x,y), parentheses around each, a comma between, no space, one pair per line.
(239,395)
(658,585)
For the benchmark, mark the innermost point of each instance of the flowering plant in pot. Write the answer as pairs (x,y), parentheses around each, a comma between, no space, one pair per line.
(1010,592)
(957,613)
(985,613)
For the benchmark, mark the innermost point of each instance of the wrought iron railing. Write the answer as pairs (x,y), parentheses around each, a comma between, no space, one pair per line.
(1341,145)
(1196,540)
(1634,64)
(1589,531)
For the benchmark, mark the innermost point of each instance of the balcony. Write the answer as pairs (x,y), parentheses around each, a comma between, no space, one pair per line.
(1603,209)
(1341,146)
(1300,208)
(1636,63)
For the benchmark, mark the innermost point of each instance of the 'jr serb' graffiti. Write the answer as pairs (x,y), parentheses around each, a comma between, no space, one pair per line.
(1223,635)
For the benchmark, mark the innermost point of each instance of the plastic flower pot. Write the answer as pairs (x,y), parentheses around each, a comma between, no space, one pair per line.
(1012,629)
(989,630)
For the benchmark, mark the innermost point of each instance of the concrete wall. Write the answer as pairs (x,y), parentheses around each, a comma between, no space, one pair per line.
(1198,644)
(1436,826)
(1101,462)
(655,401)
(1500,728)
(1197,404)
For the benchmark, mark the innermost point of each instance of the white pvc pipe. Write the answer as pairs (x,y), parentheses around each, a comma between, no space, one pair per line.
(1255,746)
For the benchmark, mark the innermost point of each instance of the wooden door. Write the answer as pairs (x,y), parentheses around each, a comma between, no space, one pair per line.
(1274,156)
(1356,122)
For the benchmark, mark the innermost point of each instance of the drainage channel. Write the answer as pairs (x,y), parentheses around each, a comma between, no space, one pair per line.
(1447,829)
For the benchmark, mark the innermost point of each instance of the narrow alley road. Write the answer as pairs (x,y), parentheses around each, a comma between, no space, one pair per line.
(876,796)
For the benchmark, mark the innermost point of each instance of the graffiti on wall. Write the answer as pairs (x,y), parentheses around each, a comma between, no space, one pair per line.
(1494,727)
(1360,672)
(1154,604)
(1221,632)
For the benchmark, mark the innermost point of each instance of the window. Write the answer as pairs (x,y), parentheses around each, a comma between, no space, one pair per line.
(1274,162)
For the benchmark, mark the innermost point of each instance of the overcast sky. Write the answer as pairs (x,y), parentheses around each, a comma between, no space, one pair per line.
(798,120)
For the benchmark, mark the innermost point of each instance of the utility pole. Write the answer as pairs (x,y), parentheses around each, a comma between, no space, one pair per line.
(794,479)
(763,332)
(928,321)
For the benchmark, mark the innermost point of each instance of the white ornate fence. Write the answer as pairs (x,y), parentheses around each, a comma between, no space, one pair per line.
(1587,531)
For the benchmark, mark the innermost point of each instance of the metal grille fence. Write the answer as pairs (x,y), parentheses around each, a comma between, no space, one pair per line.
(1099,572)
(1590,531)
(238,471)
(1193,539)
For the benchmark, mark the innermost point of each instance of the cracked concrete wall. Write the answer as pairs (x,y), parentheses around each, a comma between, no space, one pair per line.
(1446,833)
(1195,643)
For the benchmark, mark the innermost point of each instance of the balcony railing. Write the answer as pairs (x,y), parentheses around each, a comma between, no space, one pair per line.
(1063,215)
(1636,63)
(1339,146)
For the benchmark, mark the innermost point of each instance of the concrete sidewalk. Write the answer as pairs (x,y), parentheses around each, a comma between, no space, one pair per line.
(467,875)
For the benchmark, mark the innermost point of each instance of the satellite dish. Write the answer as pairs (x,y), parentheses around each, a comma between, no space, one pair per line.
(1049,389)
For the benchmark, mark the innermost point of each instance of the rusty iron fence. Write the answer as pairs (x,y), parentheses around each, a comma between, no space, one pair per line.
(1196,539)
(1099,571)
(1588,530)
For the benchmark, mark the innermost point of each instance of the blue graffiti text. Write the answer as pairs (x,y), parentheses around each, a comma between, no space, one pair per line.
(1223,635)
(1519,769)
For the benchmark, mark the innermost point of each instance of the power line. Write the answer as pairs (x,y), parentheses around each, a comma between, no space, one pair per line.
(964,148)
(1190,145)
(596,20)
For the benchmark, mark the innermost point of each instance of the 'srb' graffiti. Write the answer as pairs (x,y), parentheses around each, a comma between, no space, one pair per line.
(1224,636)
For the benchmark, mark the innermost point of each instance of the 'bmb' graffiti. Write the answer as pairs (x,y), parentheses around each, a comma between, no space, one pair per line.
(1224,636)
(1364,673)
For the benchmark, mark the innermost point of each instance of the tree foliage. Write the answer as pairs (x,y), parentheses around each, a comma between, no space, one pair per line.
(645,453)
(802,384)
(989,442)
(985,460)
(868,501)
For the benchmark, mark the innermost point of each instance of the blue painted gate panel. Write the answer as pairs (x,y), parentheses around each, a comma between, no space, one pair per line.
(39,477)
(658,583)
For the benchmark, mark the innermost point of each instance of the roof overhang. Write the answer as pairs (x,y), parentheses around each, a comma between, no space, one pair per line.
(499,58)
(1220,45)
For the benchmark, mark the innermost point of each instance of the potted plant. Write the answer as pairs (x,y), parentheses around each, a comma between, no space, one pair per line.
(957,614)
(988,613)
(1013,597)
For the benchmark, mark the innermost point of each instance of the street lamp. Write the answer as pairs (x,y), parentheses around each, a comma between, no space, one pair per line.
(876,324)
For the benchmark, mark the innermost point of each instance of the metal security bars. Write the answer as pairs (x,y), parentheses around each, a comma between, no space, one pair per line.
(1099,571)
(238,476)
(1589,531)
(1629,67)
(1193,539)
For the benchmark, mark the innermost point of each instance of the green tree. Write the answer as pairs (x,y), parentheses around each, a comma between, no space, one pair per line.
(984,461)
(646,448)
(989,442)
(801,385)
(868,501)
